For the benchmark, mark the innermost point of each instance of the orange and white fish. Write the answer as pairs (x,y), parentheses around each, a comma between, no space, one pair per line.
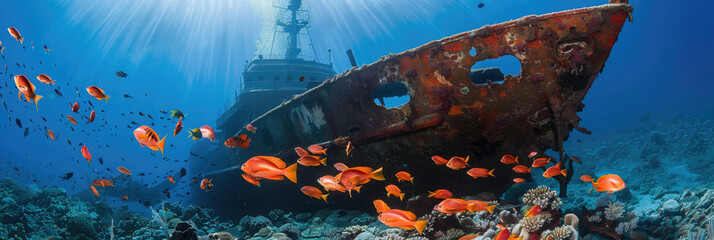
(85,153)
(349,148)
(272,168)
(43,78)
(394,190)
(171,179)
(92,115)
(509,159)
(312,161)
(251,128)
(124,170)
(439,160)
(555,171)
(206,184)
(456,205)
(72,119)
(97,93)
(317,149)
(402,219)
(521,169)
(330,184)
(301,152)
(250,179)
(147,137)
(75,107)
(541,162)
(15,34)
(380,206)
(606,183)
(26,89)
(535,210)
(404,176)
(441,194)
(179,126)
(242,141)
(532,154)
(355,176)
(314,192)
(458,163)
(480,172)
(51,134)
(94,190)
(519,180)
(207,132)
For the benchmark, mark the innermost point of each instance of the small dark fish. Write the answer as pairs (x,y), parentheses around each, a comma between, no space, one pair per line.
(166,192)
(193,154)
(43,118)
(67,176)
(142,174)
(132,122)
(27,132)
(480,5)
(128,96)
(576,159)
(3,103)
(101,161)
(17,169)
(141,114)
(18,122)
(183,172)
(149,115)
(58,92)
(164,112)
(70,143)
(90,103)
(121,74)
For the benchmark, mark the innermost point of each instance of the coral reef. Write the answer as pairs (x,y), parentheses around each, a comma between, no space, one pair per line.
(609,218)
(542,196)
(685,216)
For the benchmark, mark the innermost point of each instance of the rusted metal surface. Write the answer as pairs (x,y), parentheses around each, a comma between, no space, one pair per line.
(560,55)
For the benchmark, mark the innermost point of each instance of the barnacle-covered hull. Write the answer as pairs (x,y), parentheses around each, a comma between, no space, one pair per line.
(447,114)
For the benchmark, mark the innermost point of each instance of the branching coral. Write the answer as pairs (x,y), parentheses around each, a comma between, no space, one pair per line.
(543,196)
(627,224)
(614,211)
(565,232)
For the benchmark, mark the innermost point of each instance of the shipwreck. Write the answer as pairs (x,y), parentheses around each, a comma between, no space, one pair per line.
(452,111)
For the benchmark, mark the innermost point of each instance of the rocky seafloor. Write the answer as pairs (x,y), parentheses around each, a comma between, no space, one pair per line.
(667,166)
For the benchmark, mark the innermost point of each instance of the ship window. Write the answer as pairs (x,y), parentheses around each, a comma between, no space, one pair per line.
(290,78)
(276,78)
(391,95)
(261,78)
(494,70)
(473,52)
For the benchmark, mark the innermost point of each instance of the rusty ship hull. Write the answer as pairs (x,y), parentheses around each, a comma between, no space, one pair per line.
(448,115)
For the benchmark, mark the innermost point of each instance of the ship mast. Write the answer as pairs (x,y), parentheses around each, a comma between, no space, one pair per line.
(293,27)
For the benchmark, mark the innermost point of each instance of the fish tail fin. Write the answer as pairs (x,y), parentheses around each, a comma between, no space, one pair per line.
(490,208)
(357,188)
(161,145)
(516,159)
(37,98)
(323,161)
(529,169)
(324,151)
(21,40)
(564,172)
(291,172)
(411,179)
(106,98)
(471,207)
(324,197)
(401,197)
(491,172)
(377,175)
(431,194)
(420,226)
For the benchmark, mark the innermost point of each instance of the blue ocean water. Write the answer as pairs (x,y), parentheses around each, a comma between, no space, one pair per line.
(189,56)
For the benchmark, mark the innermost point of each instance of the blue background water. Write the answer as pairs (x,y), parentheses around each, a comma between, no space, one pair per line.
(188,55)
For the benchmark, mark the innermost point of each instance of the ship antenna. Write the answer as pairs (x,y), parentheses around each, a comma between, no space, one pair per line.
(293,27)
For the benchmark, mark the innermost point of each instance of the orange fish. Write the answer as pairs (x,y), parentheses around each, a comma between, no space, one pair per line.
(97,93)
(250,179)
(75,107)
(206,184)
(272,168)
(317,149)
(330,184)
(43,78)
(124,171)
(439,160)
(458,163)
(250,128)
(404,176)
(124,198)
(171,179)
(521,169)
(94,190)
(146,136)
(555,171)
(480,172)
(314,192)
(242,141)
(505,234)
(353,177)
(349,148)
(26,89)
(15,34)
(541,162)
(179,126)
(456,205)
(92,115)
(586,178)
(340,167)
(469,237)
(402,219)
(606,183)
(103,183)
(311,161)
(394,190)
(72,120)
(380,206)
(85,153)
(519,180)
(532,154)
(441,194)
(51,134)
(301,152)
(509,159)
(535,210)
